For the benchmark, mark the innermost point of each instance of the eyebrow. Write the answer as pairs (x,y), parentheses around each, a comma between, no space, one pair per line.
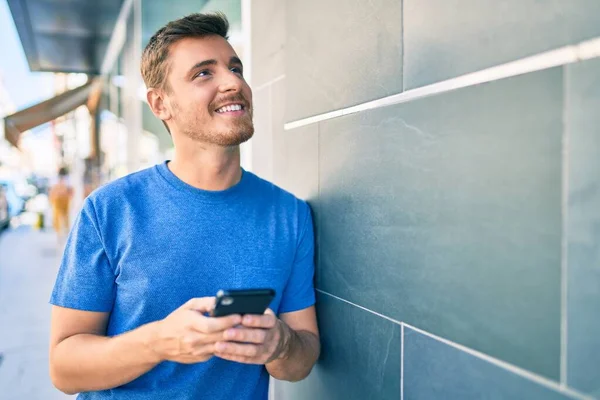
(235,60)
(205,63)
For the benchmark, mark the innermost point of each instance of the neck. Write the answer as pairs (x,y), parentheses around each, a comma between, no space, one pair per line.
(207,167)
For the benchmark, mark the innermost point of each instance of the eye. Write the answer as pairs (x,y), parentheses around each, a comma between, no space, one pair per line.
(237,70)
(202,74)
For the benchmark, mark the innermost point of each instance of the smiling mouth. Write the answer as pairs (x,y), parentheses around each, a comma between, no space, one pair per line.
(231,108)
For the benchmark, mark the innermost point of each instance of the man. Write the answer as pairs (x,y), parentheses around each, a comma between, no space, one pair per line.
(60,195)
(149,251)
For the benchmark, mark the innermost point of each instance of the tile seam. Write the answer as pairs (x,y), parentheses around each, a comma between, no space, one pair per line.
(538,62)
(564,235)
(541,380)
(269,83)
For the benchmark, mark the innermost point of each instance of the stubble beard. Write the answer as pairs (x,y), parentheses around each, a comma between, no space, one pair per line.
(242,129)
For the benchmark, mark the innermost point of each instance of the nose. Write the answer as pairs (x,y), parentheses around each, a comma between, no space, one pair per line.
(230,82)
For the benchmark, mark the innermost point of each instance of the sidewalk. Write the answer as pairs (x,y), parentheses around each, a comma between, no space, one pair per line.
(29,260)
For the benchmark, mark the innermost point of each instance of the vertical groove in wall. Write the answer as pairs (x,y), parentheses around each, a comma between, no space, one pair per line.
(271,134)
(318,199)
(565,231)
(319,160)
(402,362)
(246,10)
(402,42)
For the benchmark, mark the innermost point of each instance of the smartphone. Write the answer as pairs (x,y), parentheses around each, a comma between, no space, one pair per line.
(245,301)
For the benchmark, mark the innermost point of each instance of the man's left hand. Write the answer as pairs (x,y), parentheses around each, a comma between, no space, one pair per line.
(259,339)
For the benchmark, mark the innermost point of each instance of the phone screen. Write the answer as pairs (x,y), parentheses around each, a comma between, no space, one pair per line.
(246,301)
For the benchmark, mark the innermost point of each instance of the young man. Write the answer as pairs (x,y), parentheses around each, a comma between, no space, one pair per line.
(149,251)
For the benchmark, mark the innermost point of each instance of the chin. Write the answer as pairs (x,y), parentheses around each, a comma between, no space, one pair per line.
(232,138)
(226,136)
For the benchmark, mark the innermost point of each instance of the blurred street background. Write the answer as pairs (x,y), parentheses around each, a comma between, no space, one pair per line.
(29,248)
(30,260)
(72,117)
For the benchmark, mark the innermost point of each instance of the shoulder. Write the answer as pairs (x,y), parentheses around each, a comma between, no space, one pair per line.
(279,196)
(122,191)
(281,204)
(123,186)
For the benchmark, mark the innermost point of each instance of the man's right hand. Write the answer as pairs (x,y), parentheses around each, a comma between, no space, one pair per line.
(187,336)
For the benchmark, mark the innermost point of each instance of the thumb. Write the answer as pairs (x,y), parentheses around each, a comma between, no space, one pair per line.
(202,304)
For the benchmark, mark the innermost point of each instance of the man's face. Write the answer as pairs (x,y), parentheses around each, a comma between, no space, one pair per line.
(208,98)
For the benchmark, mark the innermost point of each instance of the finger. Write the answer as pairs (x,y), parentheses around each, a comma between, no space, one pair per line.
(243,360)
(202,304)
(195,346)
(204,351)
(265,321)
(189,359)
(213,325)
(237,349)
(195,340)
(245,335)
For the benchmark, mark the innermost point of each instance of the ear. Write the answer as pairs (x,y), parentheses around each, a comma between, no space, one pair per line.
(159,104)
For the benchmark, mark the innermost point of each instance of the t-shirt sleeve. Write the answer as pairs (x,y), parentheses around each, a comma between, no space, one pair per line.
(86,280)
(299,292)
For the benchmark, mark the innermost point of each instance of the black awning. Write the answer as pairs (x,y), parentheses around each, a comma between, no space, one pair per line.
(65,36)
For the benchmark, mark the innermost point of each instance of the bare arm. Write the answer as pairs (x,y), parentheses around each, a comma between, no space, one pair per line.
(300,346)
(83,358)
(289,346)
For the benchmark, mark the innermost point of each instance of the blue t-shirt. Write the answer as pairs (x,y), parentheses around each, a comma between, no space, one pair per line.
(145,244)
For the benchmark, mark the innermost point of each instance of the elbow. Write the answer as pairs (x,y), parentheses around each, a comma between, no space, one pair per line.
(292,376)
(299,377)
(61,385)
(59,381)
(303,373)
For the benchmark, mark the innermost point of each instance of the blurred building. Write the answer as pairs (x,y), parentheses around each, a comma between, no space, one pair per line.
(7,152)
(96,49)
(12,161)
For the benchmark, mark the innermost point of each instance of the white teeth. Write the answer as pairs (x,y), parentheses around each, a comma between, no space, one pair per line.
(233,107)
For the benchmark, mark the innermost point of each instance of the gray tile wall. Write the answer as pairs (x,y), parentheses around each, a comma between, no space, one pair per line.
(434,370)
(267,78)
(583,227)
(268,42)
(341,53)
(263,132)
(424,208)
(448,213)
(360,357)
(445,39)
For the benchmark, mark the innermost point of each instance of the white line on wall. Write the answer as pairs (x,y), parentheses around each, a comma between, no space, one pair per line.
(361,307)
(499,363)
(503,364)
(554,58)
(272,81)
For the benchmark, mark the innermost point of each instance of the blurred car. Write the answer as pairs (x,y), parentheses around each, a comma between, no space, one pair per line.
(15,203)
(4,215)
(25,190)
(41,183)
